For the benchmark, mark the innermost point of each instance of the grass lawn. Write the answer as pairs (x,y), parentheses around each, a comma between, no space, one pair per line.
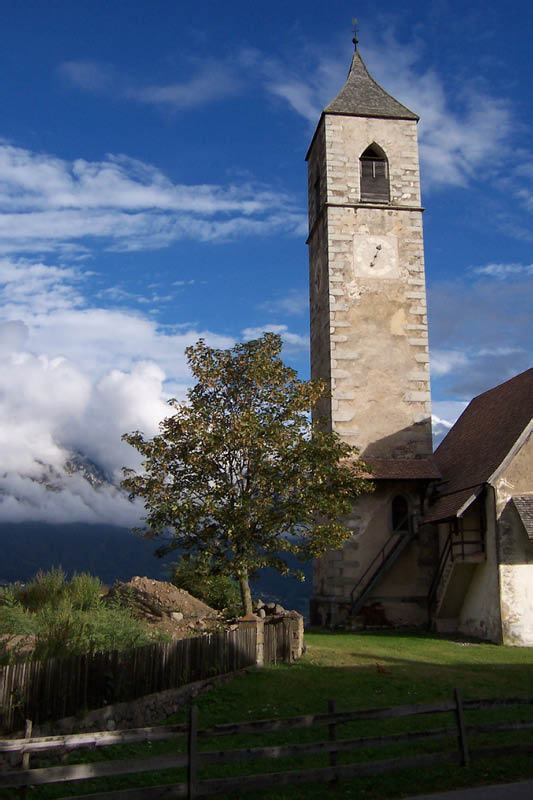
(342,667)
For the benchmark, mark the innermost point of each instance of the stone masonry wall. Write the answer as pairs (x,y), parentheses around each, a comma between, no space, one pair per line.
(403,593)
(369,341)
(375,348)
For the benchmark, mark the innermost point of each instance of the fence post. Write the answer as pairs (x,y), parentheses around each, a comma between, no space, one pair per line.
(461,729)
(332,735)
(28,727)
(192,741)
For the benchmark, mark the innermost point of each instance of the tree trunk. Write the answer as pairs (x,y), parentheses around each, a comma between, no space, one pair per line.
(246,595)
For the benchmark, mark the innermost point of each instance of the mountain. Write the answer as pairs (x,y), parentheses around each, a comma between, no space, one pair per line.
(111,552)
(114,553)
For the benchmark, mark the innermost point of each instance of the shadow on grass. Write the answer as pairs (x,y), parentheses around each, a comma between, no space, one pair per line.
(343,667)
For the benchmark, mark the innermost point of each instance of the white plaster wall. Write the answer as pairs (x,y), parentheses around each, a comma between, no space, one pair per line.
(480,613)
(515,550)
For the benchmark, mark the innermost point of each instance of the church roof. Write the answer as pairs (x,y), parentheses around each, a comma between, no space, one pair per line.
(393,469)
(479,442)
(361,96)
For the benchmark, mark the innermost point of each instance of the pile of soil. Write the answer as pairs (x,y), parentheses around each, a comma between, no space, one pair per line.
(22,644)
(166,607)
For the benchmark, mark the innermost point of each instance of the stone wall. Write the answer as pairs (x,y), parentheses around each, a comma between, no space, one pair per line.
(369,343)
(403,592)
(367,289)
(145,711)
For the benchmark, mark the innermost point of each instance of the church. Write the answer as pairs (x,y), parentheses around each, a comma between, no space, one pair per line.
(446,538)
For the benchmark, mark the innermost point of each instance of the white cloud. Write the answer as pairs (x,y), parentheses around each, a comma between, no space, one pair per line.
(446,361)
(210,81)
(458,133)
(73,379)
(93,76)
(447,412)
(483,332)
(295,302)
(292,342)
(503,271)
(49,203)
(79,402)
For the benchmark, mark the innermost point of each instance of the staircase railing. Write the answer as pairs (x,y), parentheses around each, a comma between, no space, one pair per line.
(383,558)
(448,555)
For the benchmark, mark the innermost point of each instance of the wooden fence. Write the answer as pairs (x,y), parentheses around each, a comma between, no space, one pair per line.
(458,731)
(61,687)
(277,641)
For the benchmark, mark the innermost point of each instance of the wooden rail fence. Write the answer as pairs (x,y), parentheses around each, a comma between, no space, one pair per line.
(193,759)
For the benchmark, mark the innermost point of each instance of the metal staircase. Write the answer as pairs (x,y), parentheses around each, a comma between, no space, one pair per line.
(380,564)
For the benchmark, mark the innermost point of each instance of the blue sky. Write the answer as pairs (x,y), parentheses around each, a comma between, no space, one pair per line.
(153,190)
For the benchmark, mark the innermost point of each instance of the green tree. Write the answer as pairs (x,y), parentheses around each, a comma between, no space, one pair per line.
(207,582)
(239,474)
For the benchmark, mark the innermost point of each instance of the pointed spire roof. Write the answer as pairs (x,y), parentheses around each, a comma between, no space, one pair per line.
(361,96)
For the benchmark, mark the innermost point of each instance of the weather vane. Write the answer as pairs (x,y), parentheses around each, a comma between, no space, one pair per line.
(355,40)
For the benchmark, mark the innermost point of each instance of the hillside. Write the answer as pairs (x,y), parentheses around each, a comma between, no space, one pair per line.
(114,553)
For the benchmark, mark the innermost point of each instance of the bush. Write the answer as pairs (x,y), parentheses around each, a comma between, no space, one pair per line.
(66,631)
(68,617)
(85,591)
(46,588)
(217,589)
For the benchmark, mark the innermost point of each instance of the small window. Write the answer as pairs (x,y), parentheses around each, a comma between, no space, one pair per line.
(400,515)
(374,175)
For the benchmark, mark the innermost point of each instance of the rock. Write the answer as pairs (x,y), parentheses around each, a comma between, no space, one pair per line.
(278,609)
(259,604)
(176,615)
(269,607)
(261,613)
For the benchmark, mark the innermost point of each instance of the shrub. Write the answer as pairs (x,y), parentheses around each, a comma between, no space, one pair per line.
(68,617)
(85,591)
(219,590)
(45,588)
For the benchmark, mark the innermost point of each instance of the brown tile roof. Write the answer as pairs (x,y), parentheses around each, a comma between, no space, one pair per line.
(361,96)
(485,432)
(401,469)
(524,505)
(480,440)
(447,505)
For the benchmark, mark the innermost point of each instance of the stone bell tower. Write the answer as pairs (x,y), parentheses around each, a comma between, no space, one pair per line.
(369,340)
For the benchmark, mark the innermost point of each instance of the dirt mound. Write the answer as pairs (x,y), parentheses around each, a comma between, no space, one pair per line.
(165,606)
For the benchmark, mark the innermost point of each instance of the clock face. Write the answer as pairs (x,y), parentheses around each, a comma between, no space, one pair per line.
(375,256)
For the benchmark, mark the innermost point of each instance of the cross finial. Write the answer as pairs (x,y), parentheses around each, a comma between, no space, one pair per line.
(355,40)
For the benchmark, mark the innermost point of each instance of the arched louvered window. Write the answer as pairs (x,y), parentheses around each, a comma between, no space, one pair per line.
(400,514)
(374,169)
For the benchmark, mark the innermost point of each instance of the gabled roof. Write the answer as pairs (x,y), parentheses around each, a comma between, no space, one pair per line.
(480,441)
(361,96)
